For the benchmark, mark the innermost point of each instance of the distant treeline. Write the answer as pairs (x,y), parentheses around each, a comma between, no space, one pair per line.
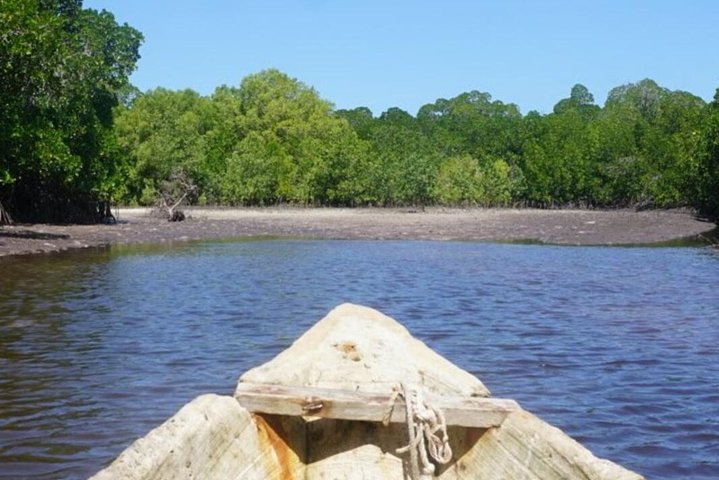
(74,135)
(274,140)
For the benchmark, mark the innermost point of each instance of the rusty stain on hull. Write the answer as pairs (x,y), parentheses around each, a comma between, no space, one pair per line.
(284,459)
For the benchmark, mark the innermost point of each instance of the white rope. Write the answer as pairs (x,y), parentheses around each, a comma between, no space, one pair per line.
(426,431)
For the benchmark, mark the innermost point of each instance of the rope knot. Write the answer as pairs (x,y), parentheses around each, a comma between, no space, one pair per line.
(427,432)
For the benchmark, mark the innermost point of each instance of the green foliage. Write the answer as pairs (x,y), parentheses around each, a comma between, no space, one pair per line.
(659,133)
(162,131)
(73,132)
(580,100)
(463,181)
(459,181)
(556,160)
(274,140)
(271,140)
(707,196)
(472,123)
(306,151)
(404,162)
(148,195)
(498,184)
(360,119)
(62,71)
(255,171)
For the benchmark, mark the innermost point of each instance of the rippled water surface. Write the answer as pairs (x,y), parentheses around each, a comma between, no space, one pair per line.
(617,346)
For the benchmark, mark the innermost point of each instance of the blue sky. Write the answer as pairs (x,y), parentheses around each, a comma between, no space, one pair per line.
(399,53)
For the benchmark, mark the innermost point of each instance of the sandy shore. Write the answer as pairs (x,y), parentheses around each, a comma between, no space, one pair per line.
(571,227)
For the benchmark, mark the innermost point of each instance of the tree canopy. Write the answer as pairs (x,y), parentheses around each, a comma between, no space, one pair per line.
(74,132)
(63,69)
(272,139)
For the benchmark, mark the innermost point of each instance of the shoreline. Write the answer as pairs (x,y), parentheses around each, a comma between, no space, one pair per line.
(560,227)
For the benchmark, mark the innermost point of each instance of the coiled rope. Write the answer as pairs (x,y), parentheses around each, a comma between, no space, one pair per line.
(427,432)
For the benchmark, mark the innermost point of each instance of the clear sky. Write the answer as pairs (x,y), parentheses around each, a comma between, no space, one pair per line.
(401,53)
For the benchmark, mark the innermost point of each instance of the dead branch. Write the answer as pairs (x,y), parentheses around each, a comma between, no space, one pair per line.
(174,192)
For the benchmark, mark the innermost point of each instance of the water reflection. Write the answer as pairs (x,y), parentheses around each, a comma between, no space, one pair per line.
(617,346)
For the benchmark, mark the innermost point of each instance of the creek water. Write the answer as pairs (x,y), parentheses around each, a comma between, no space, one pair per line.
(616,346)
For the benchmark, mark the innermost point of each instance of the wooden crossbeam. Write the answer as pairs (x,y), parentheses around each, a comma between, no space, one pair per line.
(361,406)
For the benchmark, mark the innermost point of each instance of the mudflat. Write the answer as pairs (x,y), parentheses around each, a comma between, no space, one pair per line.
(565,227)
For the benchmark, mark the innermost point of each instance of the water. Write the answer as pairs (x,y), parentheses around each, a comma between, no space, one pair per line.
(617,346)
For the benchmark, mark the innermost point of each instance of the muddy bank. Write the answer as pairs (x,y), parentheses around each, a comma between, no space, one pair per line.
(569,227)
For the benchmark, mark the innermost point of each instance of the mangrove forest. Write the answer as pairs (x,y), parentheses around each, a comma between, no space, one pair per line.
(75,135)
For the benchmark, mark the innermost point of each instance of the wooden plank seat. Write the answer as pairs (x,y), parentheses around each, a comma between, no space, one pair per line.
(368,407)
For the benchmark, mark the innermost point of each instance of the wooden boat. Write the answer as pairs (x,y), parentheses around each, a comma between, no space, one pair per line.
(335,406)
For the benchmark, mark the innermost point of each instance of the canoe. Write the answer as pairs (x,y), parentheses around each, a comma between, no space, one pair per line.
(343,402)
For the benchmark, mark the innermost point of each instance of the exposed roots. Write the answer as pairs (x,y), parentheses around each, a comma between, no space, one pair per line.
(5,218)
